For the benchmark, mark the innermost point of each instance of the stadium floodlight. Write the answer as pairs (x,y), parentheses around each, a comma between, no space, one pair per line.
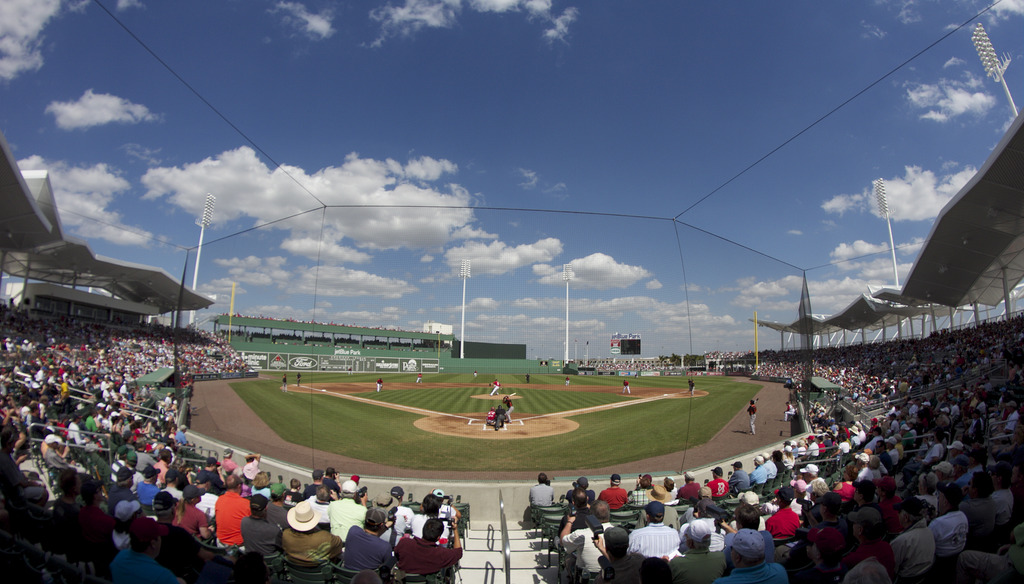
(567,275)
(883,210)
(203,222)
(464,272)
(994,67)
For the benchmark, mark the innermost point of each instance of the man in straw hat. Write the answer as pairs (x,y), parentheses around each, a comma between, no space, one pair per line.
(304,542)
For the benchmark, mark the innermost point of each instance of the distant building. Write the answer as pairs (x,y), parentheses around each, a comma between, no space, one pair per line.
(436,327)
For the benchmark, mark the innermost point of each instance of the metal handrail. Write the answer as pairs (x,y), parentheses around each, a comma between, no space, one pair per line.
(506,548)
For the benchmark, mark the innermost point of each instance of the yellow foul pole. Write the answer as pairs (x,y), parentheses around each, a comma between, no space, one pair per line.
(231,311)
(755,342)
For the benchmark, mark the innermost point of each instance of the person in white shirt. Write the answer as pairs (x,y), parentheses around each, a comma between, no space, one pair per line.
(950,527)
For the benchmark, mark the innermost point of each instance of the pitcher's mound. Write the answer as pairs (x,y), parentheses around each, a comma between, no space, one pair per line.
(529,428)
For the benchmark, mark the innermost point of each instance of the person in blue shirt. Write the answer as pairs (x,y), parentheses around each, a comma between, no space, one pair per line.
(148,488)
(138,562)
(748,552)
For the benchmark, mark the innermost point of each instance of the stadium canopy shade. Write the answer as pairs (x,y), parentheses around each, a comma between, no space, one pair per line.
(974,252)
(33,246)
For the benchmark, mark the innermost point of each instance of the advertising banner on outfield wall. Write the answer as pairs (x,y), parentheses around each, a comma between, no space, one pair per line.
(338,363)
(650,373)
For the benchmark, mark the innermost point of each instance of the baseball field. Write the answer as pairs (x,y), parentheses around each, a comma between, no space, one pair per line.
(440,423)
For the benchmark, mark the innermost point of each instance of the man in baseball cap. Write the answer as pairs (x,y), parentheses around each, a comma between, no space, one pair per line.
(655,539)
(138,562)
(364,549)
(825,549)
(748,553)
(698,563)
(614,495)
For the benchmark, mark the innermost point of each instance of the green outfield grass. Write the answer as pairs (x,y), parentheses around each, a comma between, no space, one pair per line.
(368,432)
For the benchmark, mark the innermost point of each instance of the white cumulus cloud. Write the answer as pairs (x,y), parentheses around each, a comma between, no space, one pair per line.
(597,270)
(949,99)
(496,257)
(316,26)
(918,195)
(21,34)
(97,109)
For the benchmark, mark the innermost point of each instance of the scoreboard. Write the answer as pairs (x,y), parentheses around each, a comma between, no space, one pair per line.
(625,344)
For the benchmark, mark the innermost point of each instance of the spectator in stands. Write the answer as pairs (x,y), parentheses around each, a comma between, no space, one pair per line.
(625,564)
(13,484)
(318,479)
(690,491)
(189,517)
(207,501)
(784,523)
(748,555)
(869,531)
(122,490)
(251,468)
(331,482)
(950,527)
(400,516)
(739,481)
(974,566)
(614,495)
(638,496)
(655,539)
(914,548)
(294,495)
(759,475)
(211,474)
(541,494)
(980,510)
(1002,497)
(228,464)
(179,551)
(147,489)
(163,464)
(364,549)
(423,555)
(304,542)
(320,504)
(175,482)
(583,555)
(259,534)
(138,562)
(124,513)
(825,550)
(231,508)
(65,511)
(348,511)
(887,501)
(55,453)
(698,564)
(584,484)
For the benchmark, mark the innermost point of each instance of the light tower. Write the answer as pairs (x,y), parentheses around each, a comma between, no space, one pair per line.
(883,210)
(994,68)
(203,222)
(464,274)
(566,275)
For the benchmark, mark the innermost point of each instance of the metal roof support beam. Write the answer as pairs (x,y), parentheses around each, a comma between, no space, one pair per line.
(1007,306)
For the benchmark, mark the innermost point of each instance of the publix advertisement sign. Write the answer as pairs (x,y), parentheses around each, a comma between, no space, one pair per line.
(336,363)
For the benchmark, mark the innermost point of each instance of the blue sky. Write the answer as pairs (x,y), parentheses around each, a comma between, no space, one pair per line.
(405,136)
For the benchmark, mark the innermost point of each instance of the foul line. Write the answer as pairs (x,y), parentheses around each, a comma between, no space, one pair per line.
(520,419)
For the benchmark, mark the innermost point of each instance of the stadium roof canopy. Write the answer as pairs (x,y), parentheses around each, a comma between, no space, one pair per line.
(974,252)
(33,246)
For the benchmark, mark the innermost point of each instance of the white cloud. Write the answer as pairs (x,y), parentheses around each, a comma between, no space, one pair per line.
(794,232)
(312,247)
(1008,8)
(918,195)
(126,4)
(597,270)
(21,28)
(529,178)
(371,201)
(411,16)
(948,99)
(426,259)
(140,152)
(953,62)
(653,285)
(327,281)
(872,31)
(97,109)
(84,196)
(857,249)
(315,26)
(482,304)
(496,258)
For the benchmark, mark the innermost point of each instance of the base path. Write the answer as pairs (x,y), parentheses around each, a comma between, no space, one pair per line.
(222,415)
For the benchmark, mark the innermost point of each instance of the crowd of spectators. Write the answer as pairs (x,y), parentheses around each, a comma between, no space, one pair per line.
(133,500)
(929,489)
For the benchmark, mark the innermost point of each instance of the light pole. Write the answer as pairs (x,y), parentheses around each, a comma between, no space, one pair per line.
(883,209)
(203,222)
(567,275)
(464,274)
(994,68)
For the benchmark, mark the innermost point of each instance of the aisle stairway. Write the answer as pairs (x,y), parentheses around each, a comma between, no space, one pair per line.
(483,561)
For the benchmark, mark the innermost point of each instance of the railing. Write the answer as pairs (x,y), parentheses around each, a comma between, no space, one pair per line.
(506,548)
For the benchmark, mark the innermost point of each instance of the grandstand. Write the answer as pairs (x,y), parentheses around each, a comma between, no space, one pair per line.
(921,417)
